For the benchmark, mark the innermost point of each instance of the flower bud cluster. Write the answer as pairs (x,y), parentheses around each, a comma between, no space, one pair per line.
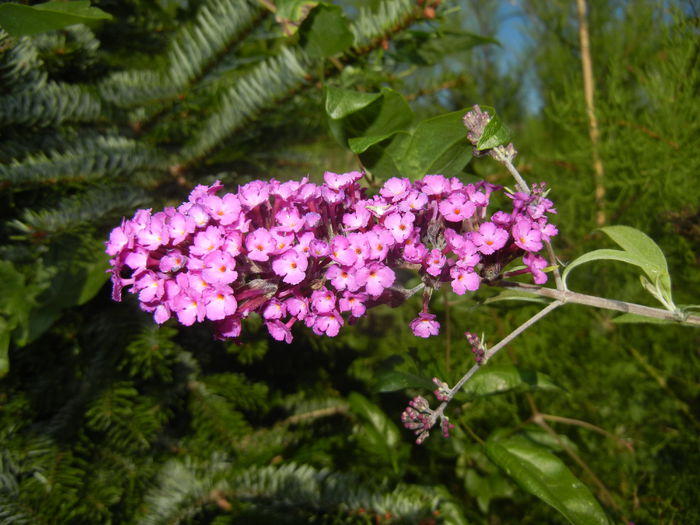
(478,349)
(420,418)
(301,252)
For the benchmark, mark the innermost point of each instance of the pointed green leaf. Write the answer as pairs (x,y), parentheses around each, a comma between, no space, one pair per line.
(362,144)
(379,433)
(356,115)
(598,255)
(635,318)
(516,295)
(429,47)
(18,19)
(343,102)
(325,32)
(495,133)
(438,145)
(376,418)
(499,379)
(544,475)
(95,276)
(646,253)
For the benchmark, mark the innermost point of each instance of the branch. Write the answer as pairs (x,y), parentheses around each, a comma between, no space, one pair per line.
(567,296)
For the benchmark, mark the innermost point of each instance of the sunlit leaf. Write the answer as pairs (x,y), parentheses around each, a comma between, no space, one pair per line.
(495,133)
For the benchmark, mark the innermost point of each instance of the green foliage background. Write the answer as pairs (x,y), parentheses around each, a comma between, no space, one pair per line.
(106,418)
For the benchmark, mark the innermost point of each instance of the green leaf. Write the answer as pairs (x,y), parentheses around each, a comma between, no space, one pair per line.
(393,380)
(516,295)
(291,14)
(428,47)
(499,379)
(544,475)
(362,144)
(635,318)
(326,32)
(647,254)
(598,255)
(94,278)
(16,301)
(343,102)
(495,133)
(377,419)
(19,20)
(638,250)
(363,115)
(438,145)
(379,432)
(486,488)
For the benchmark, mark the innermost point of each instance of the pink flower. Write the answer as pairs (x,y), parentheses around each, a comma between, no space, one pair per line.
(220,302)
(502,219)
(395,189)
(328,324)
(224,210)
(414,251)
(228,328)
(289,220)
(400,225)
(415,201)
(489,238)
(526,237)
(189,308)
(536,264)
(435,185)
(279,331)
(342,278)
(118,240)
(207,241)
(379,241)
(434,262)
(353,303)
(155,234)
(375,278)
(425,325)
(291,266)
(259,245)
(319,248)
(463,280)
(254,193)
(337,181)
(322,301)
(456,208)
(274,309)
(150,287)
(219,268)
(358,219)
(297,307)
(547,231)
(342,252)
(358,243)
(197,214)
(173,261)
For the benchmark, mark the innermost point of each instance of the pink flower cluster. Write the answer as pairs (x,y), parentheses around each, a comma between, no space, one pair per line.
(301,252)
